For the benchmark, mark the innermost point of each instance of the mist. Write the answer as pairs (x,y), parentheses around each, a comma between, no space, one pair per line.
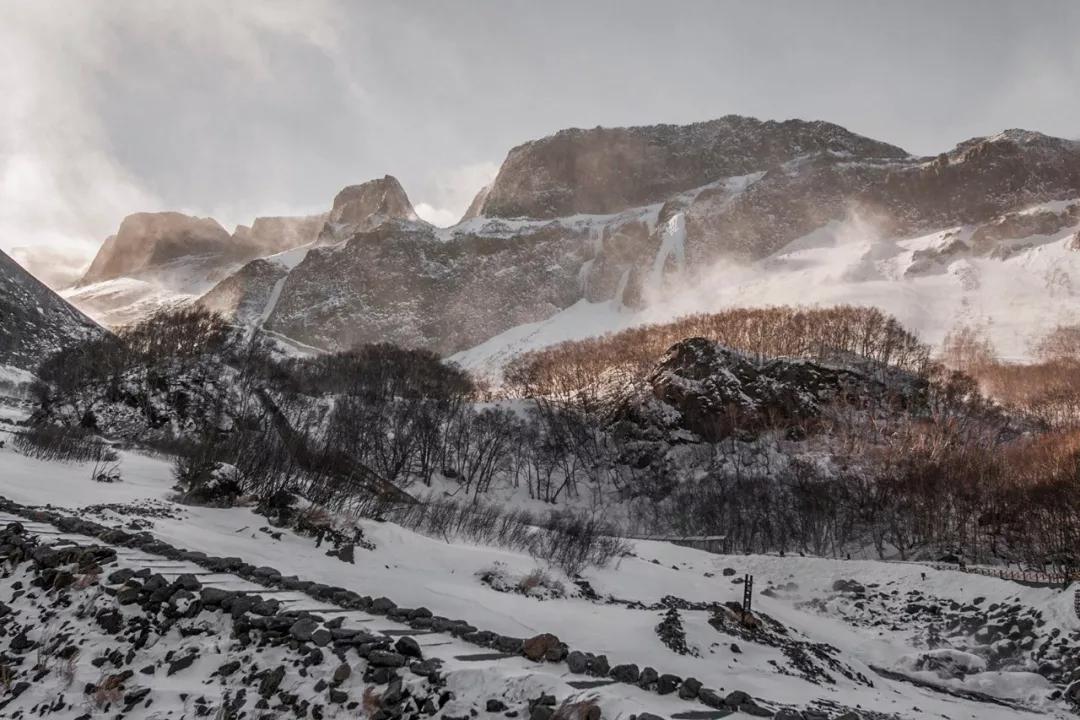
(244,109)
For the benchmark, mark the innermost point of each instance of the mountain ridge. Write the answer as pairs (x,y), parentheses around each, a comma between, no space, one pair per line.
(623,216)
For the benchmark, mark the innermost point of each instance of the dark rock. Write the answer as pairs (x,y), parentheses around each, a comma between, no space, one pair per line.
(271,681)
(303,629)
(626,673)
(384,658)
(578,662)
(182,663)
(408,647)
(667,683)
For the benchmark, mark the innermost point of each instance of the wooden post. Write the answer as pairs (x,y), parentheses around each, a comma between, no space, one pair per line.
(748,589)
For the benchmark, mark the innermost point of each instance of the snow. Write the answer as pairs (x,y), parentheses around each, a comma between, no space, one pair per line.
(581,320)
(272,301)
(289,259)
(673,242)
(415,570)
(1016,300)
(15,376)
(124,300)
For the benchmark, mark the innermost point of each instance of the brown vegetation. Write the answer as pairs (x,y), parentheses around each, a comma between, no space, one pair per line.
(823,335)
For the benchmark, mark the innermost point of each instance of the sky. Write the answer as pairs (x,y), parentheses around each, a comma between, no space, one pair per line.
(238,109)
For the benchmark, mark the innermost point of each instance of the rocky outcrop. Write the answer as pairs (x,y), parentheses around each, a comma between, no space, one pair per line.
(35,321)
(624,215)
(270,235)
(992,238)
(715,392)
(148,240)
(605,170)
(400,283)
(368,205)
(244,295)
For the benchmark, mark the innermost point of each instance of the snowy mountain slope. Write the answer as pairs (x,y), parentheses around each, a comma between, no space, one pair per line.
(855,607)
(654,220)
(1016,287)
(158,260)
(34,320)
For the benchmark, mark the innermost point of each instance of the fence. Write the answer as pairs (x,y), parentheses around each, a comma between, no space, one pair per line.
(1031,577)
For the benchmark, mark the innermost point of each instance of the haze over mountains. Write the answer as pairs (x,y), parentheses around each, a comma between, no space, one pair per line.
(586,231)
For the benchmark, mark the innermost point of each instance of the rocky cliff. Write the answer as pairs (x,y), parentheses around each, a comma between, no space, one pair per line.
(625,215)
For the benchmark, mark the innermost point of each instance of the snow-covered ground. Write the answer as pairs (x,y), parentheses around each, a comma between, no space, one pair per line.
(415,570)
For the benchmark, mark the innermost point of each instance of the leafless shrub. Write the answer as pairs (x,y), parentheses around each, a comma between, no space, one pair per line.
(67,668)
(371,702)
(579,708)
(108,691)
(44,441)
(105,471)
(567,540)
(821,334)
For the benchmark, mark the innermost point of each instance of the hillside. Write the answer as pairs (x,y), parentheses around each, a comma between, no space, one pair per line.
(588,231)
(855,637)
(34,320)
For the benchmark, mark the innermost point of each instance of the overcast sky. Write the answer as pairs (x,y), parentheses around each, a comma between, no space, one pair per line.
(235,109)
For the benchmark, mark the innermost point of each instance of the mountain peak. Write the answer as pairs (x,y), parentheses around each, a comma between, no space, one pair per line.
(371,203)
(606,170)
(148,239)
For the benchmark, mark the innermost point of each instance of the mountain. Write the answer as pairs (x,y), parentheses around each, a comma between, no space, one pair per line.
(160,259)
(602,171)
(34,320)
(587,231)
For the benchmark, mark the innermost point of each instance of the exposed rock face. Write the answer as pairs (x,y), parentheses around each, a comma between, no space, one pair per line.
(605,170)
(990,237)
(622,215)
(400,283)
(243,296)
(146,240)
(34,321)
(477,205)
(716,392)
(270,235)
(370,204)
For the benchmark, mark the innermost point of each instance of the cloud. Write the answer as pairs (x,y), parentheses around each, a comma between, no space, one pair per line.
(440,217)
(454,190)
(58,266)
(61,184)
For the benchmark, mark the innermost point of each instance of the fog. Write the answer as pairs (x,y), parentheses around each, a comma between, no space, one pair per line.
(239,109)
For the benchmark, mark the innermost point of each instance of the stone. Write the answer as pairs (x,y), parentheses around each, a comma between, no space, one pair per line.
(408,647)
(710,698)
(787,714)
(537,647)
(667,683)
(303,629)
(271,681)
(182,663)
(385,658)
(381,606)
(628,673)
(737,698)
(342,673)
(578,662)
(110,621)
